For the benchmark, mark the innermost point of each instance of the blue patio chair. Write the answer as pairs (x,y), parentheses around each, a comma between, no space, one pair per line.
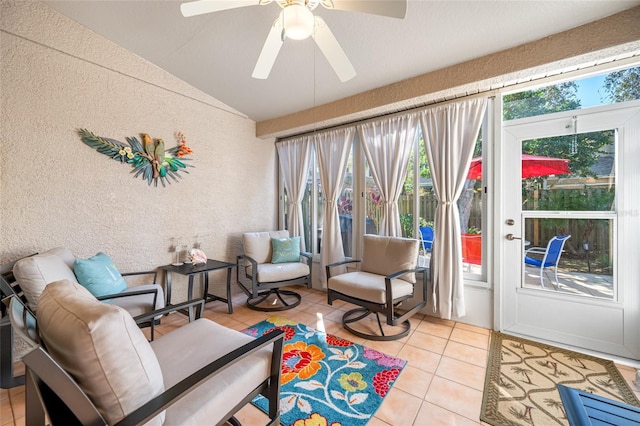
(550,259)
(426,237)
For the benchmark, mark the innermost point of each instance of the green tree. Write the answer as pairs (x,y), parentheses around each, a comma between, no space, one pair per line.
(409,185)
(583,150)
(412,188)
(623,85)
(545,100)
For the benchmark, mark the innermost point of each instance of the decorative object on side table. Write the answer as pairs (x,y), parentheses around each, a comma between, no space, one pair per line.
(197,256)
(148,158)
(174,248)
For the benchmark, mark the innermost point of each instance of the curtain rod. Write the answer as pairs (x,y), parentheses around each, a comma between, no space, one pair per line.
(563,76)
(489,94)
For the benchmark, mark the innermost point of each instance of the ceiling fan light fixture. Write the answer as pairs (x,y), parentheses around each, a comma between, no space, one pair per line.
(297,21)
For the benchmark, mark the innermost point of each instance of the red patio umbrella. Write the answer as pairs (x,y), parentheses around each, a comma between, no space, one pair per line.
(532,166)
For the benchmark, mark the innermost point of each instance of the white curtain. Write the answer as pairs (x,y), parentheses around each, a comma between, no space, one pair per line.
(450,133)
(387,144)
(294,156)
(332,153)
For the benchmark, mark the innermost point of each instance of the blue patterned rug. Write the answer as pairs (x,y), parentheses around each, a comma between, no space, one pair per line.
(327,379)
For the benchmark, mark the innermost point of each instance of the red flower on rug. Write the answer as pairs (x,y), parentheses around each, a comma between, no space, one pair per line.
(382,379)
(337,341)
(289,331)
(300,360)
(327,380)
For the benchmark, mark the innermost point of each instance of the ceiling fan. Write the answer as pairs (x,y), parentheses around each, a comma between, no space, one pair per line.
(296,21)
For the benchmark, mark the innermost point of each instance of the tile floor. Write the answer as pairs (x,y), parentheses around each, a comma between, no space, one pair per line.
(441,385)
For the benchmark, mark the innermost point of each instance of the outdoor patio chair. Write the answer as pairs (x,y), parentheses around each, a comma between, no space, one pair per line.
(386,278)
(34,273)
(550,257)
(426,237)
(94,366)
(272,260)
(584,408)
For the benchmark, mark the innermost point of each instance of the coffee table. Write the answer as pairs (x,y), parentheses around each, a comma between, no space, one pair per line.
(190,270)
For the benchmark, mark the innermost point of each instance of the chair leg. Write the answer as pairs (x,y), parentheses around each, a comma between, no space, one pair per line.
(35,412)
(357,314)
(233,421)
(289,302)
(7,379)
(379,324)
(542,277)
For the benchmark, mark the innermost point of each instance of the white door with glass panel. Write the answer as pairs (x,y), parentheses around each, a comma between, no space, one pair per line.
(570,239)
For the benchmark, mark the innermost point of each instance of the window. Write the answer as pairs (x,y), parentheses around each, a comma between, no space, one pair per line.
(603,89)
(360,206)
(578,200)
(345,209)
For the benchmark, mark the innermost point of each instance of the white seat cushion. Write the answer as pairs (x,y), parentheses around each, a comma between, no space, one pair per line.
(191,347)
(138,305)
(101,347)
(368,286)
(273,272)
(35,272)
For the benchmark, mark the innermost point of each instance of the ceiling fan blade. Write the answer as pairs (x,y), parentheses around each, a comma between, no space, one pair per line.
(331,49)
(269,51)
(391,8)
(200,7)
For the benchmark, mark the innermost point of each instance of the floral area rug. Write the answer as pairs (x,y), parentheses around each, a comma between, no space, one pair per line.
(522,376)
(327,380)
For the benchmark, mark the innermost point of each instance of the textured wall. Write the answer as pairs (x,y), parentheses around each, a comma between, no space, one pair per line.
(56,77)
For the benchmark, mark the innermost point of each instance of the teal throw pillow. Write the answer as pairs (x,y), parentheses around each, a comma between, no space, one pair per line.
(285,250)
(99,275)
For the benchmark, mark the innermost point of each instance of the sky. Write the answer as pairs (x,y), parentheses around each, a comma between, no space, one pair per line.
(590,90)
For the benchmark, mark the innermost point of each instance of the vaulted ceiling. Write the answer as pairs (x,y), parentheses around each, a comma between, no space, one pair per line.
(216,52)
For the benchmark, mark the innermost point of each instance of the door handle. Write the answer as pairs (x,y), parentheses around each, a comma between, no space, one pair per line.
(512,237)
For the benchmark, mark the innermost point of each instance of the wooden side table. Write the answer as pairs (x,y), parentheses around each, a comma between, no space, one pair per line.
(190,270)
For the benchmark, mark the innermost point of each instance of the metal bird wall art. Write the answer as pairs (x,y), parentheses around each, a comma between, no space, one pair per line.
(149,158)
